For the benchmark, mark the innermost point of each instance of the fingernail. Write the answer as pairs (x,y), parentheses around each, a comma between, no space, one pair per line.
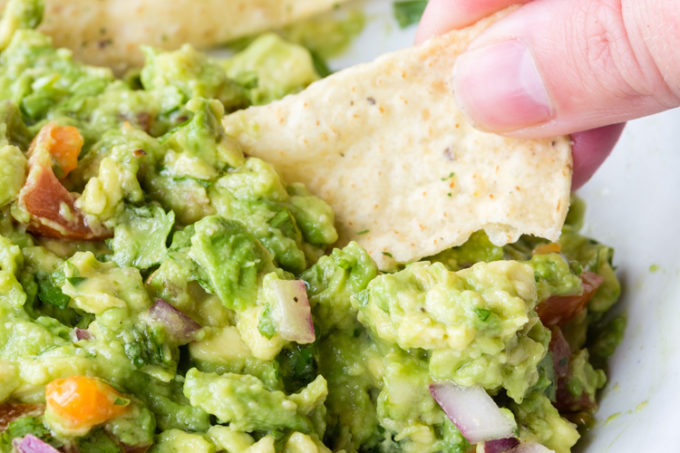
(499,87)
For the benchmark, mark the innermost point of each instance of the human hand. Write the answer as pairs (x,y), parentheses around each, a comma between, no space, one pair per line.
(579,67)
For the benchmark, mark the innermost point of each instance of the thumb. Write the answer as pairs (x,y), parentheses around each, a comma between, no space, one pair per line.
(561,66)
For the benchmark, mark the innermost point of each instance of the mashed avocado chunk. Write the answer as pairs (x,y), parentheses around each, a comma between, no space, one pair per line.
(230,396)
(477,324)
(162,291)
(12,172)
(273,66)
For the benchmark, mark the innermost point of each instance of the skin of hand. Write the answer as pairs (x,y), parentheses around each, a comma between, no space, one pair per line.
(552,67)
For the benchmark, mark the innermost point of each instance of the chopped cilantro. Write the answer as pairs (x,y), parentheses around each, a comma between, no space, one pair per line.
(97,441)
(408,12)
(320,64)
(75,281)
(482,313)
(49,291)
(121,401)
(297,366)
(26,425)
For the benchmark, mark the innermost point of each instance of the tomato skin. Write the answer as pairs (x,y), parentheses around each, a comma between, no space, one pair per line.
(82,402)
(11,411)
(46,200)
(554,312)
(558,310)
(50,206)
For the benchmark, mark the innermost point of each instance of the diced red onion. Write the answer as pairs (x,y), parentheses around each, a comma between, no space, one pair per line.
(472,410)
(178,325)
(531,447)
(291,312)
(561,352)
(31,444)
(500,445)
(82,334)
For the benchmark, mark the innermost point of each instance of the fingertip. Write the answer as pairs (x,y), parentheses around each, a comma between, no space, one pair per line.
(590,149)
(435,20)
(441,16)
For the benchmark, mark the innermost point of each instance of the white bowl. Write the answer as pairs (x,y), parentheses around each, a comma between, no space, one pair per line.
(632,205)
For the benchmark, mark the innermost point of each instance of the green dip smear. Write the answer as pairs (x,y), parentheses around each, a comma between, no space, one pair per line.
(178,213)
(324,37)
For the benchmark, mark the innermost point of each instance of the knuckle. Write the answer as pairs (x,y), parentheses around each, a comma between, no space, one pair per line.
(618,57)
(606,52)
(655,25)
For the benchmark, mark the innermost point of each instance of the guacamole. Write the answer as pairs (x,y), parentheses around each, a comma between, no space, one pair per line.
(162,291)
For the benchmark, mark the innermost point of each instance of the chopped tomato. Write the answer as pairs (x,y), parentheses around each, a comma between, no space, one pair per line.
(82,402)
(543,249)
(583,418)
(11,411)
(561,356)
(52,207)
(558,310)
(63,143)
(566,402)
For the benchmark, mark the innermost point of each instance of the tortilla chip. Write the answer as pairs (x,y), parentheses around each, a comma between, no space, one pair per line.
(387,147)
(109,32)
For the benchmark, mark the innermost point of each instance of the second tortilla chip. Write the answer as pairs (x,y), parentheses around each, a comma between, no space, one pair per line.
(109,32)
(387,147)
